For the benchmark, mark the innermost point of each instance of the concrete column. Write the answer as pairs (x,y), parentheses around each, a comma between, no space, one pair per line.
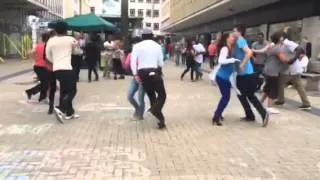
(311,29)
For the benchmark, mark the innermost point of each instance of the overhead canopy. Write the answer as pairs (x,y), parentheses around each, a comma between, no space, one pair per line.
(88,23)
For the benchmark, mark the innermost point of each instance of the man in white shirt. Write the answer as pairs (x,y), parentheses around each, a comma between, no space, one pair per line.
(58,51)
(293,76)
(146,63)
(200,50)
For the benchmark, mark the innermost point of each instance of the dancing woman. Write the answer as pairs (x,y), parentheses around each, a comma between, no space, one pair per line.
(223,75)
(189,54)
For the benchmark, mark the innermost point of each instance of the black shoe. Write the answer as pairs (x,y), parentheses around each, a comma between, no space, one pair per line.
(28,95)
(265,120)
(97,79)
(115,77)
(217,122)
(162,126)
(305,107)
(278,103)
(247,119)
(50,111)
(121,77)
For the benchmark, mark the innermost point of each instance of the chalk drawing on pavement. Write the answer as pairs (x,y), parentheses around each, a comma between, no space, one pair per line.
(23,129)
(104,163)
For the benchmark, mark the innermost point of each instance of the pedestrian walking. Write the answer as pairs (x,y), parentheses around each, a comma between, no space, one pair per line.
(212,52)
(58,51)
(246,81)
(224,48)
(107,56)
(259,59)
(135,87)
(199,53)
(92,55)
(189,53)
(117,56)
(77,56)
(293,76)
(40,68)
(148,71)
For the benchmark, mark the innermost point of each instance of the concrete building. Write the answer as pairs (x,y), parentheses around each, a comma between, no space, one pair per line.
(14,26)
(204,18)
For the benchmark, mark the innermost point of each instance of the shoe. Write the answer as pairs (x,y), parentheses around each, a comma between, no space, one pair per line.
(50,111)
(97,79)
(247,119)
(28,95)
(273,110)
(115,78)
(73,116)
(265,120)
(217,122)
(121,77)
(278,103)
(305,107)
(59,114)
(162,126)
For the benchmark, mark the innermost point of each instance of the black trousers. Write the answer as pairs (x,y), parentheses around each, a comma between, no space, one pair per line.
(68,90)
(153,84)
(259,75)
(42,74)
(189,67)
(76,61)
(247,86)
(53,87)
(92,68)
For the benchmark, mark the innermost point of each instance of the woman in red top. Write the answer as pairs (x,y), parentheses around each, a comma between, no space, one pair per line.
(212,50)
(40,68)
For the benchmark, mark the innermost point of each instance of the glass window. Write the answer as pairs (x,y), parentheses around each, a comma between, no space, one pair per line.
(132,0)
(156,1)
(148,1)
(148,13)
(140,12)
(132,12)
(155,13)
(156,26)
(148,24)
(140,1)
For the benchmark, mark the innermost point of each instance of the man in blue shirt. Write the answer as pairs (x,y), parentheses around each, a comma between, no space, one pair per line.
(246,79)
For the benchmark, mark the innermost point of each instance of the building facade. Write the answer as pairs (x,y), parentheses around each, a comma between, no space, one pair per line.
(205,18)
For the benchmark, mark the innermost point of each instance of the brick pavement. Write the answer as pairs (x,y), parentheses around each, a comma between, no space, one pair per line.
(106,144)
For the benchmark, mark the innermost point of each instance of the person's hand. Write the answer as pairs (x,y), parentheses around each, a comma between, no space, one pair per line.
(241,67)
(137,78)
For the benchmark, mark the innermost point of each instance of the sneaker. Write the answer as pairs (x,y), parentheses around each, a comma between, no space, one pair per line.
(265,120)
(305,107)
(59,114)
(247,119)
(273,111)
(73,116)
(162,126)
(28,95)
(278,103)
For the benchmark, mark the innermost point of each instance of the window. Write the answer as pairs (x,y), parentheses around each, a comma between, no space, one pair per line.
(132,12)
(156,1)
(156,26)
(132,0)
(140,1)
(155,13)
(140,12)
(148,13)
(139,25)
(148,1)
(148,24)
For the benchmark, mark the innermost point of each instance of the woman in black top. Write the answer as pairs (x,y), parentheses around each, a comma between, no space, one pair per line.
(189,55)
(92,55)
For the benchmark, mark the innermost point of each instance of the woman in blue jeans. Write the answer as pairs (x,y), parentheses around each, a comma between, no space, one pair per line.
(135,87)
(223,75)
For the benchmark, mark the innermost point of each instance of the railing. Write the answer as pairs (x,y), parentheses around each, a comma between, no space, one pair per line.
(22,48)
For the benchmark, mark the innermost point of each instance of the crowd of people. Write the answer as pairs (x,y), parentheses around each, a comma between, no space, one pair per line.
(235,65)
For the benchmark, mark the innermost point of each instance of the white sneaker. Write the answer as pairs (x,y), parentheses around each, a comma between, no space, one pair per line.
(73,116)
(273,110)
(59,114)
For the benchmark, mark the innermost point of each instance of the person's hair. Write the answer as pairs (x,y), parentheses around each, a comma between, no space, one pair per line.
(189,44)
(94,37)
(261,34)
(300,51)
(61,27)
(45,37)
(147,36)
(52,33)
(275,37)
(241,28)
(222,42)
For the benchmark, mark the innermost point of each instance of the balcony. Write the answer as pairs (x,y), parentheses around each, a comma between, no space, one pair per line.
(29,5)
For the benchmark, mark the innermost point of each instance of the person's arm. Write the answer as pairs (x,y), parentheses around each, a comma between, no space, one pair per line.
(223,57)
(133,61)
(263,50)
(248,53)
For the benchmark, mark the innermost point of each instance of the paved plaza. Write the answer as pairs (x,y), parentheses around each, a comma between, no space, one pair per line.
(105,144)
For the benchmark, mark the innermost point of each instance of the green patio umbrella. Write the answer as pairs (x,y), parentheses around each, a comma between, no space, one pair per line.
(88,23)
